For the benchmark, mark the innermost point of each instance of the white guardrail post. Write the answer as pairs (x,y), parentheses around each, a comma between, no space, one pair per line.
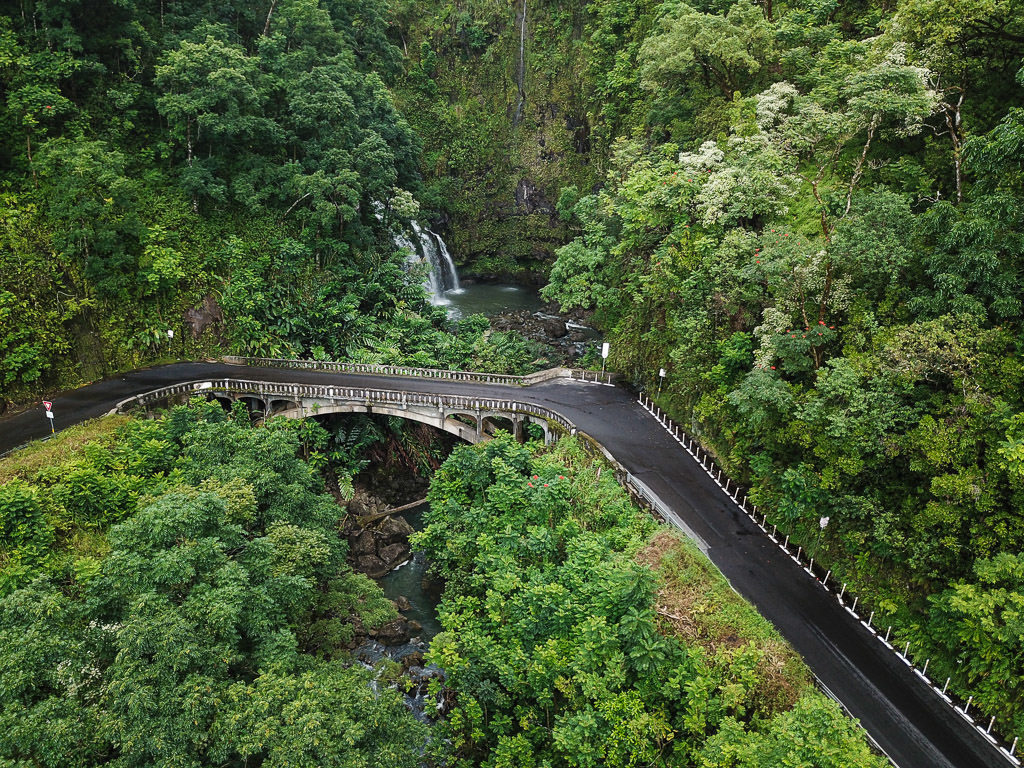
(693,448)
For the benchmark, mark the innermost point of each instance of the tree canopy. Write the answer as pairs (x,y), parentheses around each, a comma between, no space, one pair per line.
(177,593)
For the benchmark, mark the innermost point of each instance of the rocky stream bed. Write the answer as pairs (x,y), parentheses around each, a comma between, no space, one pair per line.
(567,335)
(379,547)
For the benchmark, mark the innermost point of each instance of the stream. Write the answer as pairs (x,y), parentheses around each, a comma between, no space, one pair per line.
(407,581)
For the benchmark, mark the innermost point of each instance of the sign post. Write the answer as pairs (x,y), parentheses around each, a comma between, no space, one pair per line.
(822,525)
(604,356)
(49,414)
(661,378)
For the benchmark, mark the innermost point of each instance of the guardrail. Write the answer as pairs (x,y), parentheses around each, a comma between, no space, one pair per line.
(663,510)
(369,396)
(577,374)
(806,563)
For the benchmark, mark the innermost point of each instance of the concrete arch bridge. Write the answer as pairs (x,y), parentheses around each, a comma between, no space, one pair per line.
(472,419)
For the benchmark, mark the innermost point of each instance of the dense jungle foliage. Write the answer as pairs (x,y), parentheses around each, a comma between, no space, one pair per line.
(813,220)
(175,592)
(562,652)
(808,211)
(232,172)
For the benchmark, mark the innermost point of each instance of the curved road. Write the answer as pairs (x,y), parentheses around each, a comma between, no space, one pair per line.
(910,723)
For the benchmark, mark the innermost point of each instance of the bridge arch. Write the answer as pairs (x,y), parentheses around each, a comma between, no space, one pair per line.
(452,427)
(278,405)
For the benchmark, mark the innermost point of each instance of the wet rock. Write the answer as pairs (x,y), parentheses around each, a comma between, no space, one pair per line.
(414,659)
(206,315)
(415,627)
(402,603)
(393,554)
(395,528)
(357,506)
(363,543)
(531,199)
(419,675)
(364,502)
(579,127)
(393,633)
(371,565)
(555,328)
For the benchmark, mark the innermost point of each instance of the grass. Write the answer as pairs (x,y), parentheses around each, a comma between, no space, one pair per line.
(62,448)
(696,604)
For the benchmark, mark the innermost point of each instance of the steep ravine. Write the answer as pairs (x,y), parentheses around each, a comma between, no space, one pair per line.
(396,475)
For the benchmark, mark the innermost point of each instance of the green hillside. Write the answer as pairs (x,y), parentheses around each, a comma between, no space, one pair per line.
(809,212)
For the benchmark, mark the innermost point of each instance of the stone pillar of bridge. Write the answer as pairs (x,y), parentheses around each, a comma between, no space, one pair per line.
(519,428)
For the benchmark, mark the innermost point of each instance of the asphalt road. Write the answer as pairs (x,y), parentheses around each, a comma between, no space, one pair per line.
(910,723)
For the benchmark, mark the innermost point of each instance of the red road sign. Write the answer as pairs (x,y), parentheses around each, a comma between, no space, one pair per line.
(48,404)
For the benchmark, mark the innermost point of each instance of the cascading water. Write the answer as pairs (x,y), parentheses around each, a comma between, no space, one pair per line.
(428,246)
(521,74)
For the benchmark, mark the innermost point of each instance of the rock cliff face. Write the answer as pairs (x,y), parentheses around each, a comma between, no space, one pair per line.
(498,95)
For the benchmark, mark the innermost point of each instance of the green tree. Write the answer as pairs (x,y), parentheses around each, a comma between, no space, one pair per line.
(211,103)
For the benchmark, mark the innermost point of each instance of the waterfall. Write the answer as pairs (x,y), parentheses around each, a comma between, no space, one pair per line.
(426,245)
(521,74)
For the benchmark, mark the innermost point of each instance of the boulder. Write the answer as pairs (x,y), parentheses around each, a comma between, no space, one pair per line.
(393,554)
(402,603)
(394,529)
(555,328)
(357,506)
(393,633)
(363,543)
(414,659)
(371,565)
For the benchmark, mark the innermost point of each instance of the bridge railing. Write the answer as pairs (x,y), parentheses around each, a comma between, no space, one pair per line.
(373,369)
(268,390)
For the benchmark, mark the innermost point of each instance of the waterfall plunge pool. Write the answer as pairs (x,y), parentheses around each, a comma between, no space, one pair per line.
(489,299)
(423,246)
